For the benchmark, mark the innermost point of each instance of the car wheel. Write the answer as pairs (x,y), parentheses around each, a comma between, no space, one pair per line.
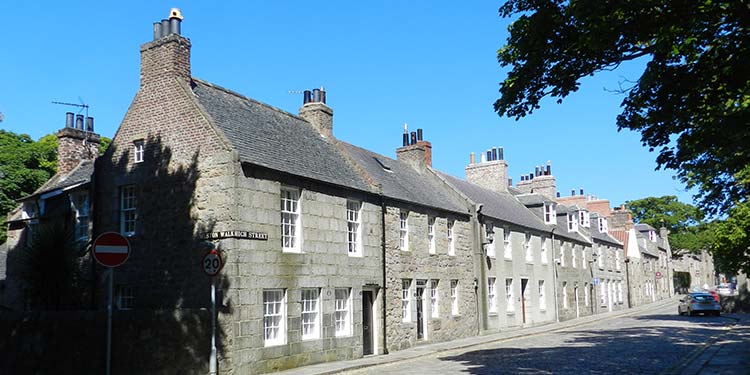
(679,312)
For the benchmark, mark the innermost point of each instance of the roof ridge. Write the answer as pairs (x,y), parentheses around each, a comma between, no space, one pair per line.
(237,94)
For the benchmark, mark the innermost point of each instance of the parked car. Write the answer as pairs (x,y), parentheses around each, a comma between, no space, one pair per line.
(697,303)
(725,290)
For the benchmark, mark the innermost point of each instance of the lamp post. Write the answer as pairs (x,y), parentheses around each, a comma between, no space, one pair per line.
(627,278)
(594,257)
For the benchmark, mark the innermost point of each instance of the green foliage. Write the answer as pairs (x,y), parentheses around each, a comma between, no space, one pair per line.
(104,143)
(50,265)
(692,102)
(24,166)
(732,247)
(664,211)
(684,221)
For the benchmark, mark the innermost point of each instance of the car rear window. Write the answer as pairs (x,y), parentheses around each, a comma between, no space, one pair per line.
(703,297)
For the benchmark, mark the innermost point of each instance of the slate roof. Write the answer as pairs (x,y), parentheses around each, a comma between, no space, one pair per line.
(644,227)
(80,175)
(497,205)
(272,138)
(646,246)
(404,183)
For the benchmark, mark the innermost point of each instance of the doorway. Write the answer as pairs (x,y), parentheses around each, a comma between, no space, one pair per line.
(420,308)
(367,328)
(524,293)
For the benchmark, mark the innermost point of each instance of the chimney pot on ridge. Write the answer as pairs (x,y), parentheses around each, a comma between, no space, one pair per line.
(69,119)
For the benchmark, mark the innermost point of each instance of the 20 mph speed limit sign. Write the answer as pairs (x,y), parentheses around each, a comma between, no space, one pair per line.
(212,263)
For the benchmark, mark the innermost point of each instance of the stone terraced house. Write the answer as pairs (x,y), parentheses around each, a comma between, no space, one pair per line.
(330,251)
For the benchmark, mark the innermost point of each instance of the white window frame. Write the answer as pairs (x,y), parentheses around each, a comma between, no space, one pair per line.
(450,224)
(584,259)
(291,219)
(527,247)
(507,245)
(550,213)
(617,260)
(600,257)
(128,212)
(310,313)
(544,253)
(431,234)
(562,255)
(603,293)
(342,316)
(435,298)
(406,285)
(271,315)
(125,297)
(584,218)
(454,297)
(509,305)
(586,296)
(139,150)
(603,227)
(81,205)
(490,228)
(354,227)
(572,222)
(403,220)
(574,256)
(542,296)
(566,304)
(619,291)
(491,294)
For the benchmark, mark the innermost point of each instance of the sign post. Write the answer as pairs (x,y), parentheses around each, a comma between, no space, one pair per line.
(212,264)
(110,250)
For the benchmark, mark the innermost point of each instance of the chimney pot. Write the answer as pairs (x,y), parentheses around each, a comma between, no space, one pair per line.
(494,153)
(164,27)
(413,138)
(489,155)
(79,122)
(531,176)
(510,182)
(419,134)
(69,119)
(316,95)
(482,157)
(174,25)
(558,194)
(322,95)
(157,30)
(90,124)
(306,97)
(536,171)
(581,192)
(500,153)
(573,192)
(472,158)
(175,13)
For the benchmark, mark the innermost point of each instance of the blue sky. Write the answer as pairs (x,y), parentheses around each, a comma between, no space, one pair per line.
(431,64)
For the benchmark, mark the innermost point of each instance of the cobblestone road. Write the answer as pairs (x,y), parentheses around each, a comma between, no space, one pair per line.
(650,342)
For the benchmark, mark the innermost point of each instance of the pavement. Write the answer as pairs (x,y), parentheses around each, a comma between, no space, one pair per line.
(705,360)
(727,354)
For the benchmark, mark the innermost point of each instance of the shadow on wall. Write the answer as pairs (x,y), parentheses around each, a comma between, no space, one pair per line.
(630,350)
(166,326)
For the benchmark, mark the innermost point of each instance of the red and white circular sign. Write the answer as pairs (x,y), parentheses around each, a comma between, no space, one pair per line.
(658,275)
(111,249)
(212,263)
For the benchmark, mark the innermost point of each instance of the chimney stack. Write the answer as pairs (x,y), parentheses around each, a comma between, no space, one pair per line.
(315,111)
(168,55)
(76,144)
(417,153)
(491,172)
(539,182)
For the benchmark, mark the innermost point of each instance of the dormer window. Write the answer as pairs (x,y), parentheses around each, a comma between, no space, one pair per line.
(550,214)
(572,222)
(603,225)
(584,218)
(652,235)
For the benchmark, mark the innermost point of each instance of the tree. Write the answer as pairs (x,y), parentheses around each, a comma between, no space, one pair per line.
(692,101)
(24,166)
(687,231)
(731,249)
(51,267)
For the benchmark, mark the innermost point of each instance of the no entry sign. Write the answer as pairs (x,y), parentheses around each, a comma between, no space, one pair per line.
(111,249)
